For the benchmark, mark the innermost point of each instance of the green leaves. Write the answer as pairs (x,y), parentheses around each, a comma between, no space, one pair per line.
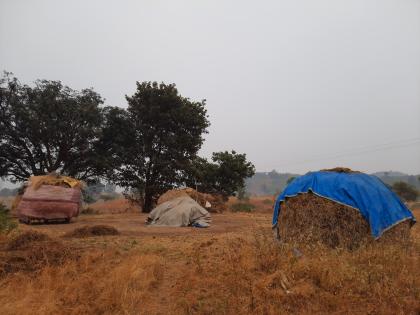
(225,176)
(47,127)
(154,139)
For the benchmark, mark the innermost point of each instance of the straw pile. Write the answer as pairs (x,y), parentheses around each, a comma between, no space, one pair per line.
(217,202)
(31,251)
(309,219)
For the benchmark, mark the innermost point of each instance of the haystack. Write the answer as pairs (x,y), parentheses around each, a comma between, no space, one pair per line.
(49,197)
(212,203)
(340,208)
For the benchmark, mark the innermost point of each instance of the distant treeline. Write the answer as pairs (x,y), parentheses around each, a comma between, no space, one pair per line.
(273,183)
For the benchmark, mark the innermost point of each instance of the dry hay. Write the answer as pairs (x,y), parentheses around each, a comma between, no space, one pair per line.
(26,239)
(339,170)
(216,201)
(95,230)
(309,219)
(32,251)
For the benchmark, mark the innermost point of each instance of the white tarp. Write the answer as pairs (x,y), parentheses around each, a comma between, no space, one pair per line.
(181,211)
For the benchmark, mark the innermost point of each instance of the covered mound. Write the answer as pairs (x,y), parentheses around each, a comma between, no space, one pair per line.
(339,208)
(212,203)
(308,218)
(95,230)
(49,197)
(181,211)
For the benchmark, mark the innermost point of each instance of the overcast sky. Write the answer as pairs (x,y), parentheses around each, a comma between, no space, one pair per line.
(297,85)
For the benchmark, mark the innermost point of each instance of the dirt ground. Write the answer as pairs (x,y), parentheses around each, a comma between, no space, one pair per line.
(133,224)
(233,267)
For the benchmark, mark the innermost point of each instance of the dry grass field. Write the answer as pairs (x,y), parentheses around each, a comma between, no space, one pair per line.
(233,267)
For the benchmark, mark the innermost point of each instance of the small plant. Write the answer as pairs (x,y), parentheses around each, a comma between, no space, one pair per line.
(242,207)
(267,201)
(108,197)
(6,222)
(89,211)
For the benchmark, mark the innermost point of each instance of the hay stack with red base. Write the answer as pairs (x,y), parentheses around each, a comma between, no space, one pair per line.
(49,198)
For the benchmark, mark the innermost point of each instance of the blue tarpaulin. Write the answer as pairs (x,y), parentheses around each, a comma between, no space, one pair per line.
(376,202)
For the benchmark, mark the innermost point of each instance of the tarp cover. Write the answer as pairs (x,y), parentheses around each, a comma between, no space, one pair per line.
(376,202)
(182,211)
(49,202)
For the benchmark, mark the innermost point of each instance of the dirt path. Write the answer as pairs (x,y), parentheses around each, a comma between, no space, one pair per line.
(131,224)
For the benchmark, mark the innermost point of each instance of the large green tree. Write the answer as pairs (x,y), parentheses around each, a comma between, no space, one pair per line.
(153,141)
(48,127)
(225,175)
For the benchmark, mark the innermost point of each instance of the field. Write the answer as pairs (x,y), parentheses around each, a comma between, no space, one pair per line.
(233,267)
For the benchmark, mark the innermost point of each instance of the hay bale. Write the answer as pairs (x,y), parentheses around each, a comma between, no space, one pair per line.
(95,230)
(308,218)
(217,202)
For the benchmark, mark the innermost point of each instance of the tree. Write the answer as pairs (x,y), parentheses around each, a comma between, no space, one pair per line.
(405,191)
(48,127)
(225,175)
(152,141)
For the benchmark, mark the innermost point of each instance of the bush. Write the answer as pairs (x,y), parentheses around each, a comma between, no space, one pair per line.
(89,210)
(242,207)
(405,191)
(107,197)
(268,201)
(6,222)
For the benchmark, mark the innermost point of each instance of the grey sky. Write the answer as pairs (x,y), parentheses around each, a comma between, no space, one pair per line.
(296,84)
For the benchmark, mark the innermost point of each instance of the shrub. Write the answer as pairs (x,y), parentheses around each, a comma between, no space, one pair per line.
(242,207)
(268,202)
(405,191)
(6,222)
(89,210)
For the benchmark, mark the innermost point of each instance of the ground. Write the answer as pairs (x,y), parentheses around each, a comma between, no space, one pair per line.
(233,267)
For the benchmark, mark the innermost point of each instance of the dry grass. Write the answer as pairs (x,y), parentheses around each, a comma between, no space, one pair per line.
(90,231)
(233,273)
(120,205)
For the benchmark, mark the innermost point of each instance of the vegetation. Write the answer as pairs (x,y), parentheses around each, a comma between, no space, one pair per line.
(242,207)
(405,191)
(48,127)
(235,273)
(153,141)
(225,175)
(6,222)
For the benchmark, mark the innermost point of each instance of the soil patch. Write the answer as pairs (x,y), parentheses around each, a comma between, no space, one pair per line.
(95,230)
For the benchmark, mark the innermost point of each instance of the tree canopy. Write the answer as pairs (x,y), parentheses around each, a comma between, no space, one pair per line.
(152,142)
(47,127)
(225,175)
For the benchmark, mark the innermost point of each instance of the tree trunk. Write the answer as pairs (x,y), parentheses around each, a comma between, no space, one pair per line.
(148,202)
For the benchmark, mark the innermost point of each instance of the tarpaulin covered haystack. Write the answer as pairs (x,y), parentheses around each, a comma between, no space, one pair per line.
(178,212)
(212,203)
(49,197)
(340,209)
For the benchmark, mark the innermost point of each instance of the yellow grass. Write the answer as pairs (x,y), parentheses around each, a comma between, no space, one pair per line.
(243,272)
